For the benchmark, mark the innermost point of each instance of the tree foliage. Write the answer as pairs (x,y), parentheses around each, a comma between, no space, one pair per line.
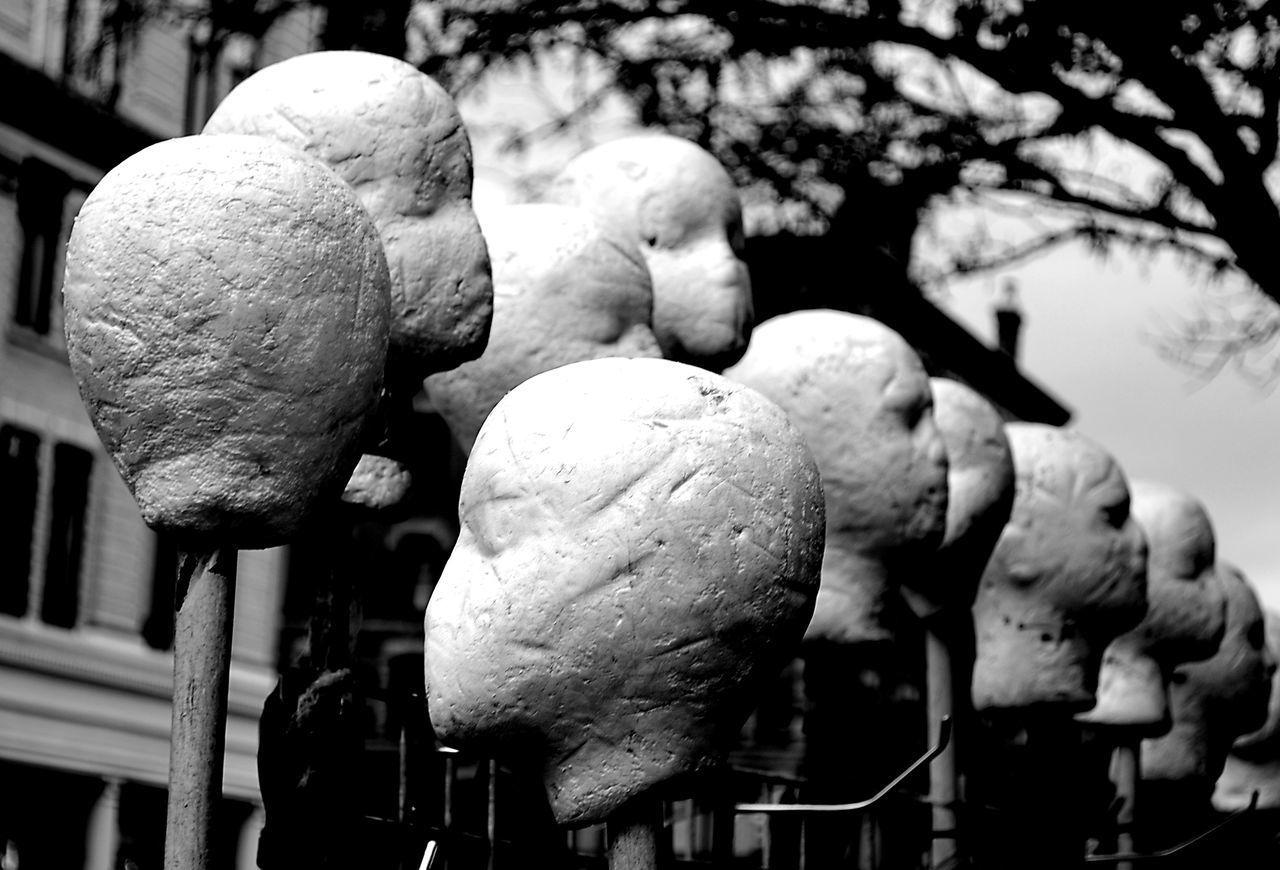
(1153,126)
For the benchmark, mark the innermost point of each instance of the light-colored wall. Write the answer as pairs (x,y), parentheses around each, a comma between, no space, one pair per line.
(296,33)
(154,83)
(31,31)
(154,89)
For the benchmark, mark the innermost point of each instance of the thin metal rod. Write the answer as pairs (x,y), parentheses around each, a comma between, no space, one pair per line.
(942,770)
(1122,857)
(447,812)
(402,771)
(1124,774)
(201,667)
(944,738)
(491,813)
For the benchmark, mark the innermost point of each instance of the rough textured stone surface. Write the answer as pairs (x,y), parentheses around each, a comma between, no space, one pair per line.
(1067,576)
(639,554)
(1254,761)
(860,396)
(980,487)
(396,137)
(1216,700)
(1186,612)
(227,319)
(377,483)
(566,289)
(678,204)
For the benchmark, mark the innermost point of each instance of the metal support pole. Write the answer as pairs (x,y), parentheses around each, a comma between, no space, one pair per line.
(942,770)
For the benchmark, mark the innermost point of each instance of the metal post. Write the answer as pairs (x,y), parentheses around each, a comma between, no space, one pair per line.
(1124,774)
(942,770)
(491,813)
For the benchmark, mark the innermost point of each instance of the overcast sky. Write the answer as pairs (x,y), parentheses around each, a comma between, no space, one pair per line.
(1085,322)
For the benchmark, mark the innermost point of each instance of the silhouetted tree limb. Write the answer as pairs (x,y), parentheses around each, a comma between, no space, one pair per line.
(859,118)
(1192,85)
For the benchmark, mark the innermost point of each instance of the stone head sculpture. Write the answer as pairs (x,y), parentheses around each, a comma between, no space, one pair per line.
(1216,700)
(1066,577)
(1186,612)
(639,549)
(396,137)
(678,205)
(227,320)
(980,486)
(860,396)
(1254,761)
(566,289)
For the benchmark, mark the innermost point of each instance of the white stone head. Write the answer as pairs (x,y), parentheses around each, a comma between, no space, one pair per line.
(566,289)
(396,137)
(1066,577)
(1215,701)
(678,205)
(1254,762)
(639,554)
(980,487)
(860,396)
(227,318)
(1186,612)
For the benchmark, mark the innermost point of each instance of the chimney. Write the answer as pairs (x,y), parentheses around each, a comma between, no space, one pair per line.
(1008,319)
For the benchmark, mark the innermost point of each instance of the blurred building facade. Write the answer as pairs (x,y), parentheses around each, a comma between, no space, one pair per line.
(86,590)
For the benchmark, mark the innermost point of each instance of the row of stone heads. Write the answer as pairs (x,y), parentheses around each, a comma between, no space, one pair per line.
(644,541)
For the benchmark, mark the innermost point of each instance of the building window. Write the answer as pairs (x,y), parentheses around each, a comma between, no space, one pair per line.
(72,468)
(42,194)
(157,628)
(62,513)
(20,471)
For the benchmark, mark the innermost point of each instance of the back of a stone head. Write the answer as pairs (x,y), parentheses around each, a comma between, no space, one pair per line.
(1216,700)
(860,396)
(1186,612)
(566,289)
(1066,577)
(396,137)
(980,487)
(678,205)
(1254,762)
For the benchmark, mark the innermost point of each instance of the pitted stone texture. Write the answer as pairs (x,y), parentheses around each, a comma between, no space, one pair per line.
(860,396)
(1186,612)
(980,487)
(377,483)
(639,555)
(678,205)
(1216,700)
(227,318)
(1254,762)
(1067,576)
(566,289)
(396,137)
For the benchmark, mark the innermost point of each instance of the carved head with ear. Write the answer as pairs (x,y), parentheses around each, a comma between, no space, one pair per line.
(1068,575)
(678,204)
